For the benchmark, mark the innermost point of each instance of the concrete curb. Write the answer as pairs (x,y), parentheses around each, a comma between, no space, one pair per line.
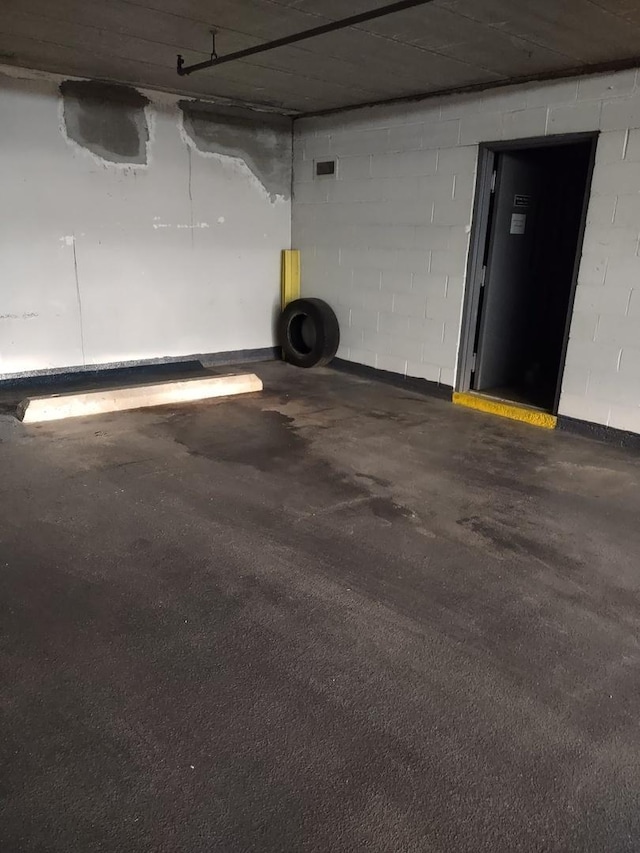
(80,404)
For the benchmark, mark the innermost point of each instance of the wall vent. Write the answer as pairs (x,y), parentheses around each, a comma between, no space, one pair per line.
(325,168)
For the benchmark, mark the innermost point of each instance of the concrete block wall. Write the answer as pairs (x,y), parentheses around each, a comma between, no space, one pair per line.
(386,242)
(177,253)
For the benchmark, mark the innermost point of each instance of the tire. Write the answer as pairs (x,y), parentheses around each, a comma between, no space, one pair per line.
(308,333)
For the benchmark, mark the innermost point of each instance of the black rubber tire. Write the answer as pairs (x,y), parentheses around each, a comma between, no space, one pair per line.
(308,333)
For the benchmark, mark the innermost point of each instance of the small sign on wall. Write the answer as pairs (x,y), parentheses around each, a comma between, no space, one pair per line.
(518,223)
(522,201)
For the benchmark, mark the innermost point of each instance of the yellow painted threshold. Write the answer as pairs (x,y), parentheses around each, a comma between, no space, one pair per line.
(290,283)
(506,410)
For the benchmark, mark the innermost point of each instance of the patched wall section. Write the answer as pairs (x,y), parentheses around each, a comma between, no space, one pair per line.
(108,120)
(263,141)
(119,241)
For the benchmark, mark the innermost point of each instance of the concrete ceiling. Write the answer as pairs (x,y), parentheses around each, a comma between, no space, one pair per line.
(445,45)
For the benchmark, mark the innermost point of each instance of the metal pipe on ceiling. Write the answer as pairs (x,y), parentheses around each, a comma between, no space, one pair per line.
(342,24)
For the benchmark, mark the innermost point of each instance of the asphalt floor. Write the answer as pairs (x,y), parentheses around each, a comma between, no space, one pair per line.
(333,616)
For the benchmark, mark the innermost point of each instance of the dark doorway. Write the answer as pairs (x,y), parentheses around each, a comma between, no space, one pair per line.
(527,268)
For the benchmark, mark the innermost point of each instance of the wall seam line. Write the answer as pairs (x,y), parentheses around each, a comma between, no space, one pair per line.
(79,298)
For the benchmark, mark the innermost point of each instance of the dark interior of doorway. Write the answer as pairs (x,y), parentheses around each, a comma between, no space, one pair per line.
(530,268)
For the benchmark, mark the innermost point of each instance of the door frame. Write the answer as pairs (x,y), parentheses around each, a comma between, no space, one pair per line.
(482,208)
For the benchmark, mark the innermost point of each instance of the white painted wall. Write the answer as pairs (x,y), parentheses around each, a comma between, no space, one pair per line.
(386,244)
(101,263)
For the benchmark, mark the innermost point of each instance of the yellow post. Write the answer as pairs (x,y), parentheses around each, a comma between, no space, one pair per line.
(290,283)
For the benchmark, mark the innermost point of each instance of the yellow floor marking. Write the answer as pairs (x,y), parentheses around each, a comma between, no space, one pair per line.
(506,410)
